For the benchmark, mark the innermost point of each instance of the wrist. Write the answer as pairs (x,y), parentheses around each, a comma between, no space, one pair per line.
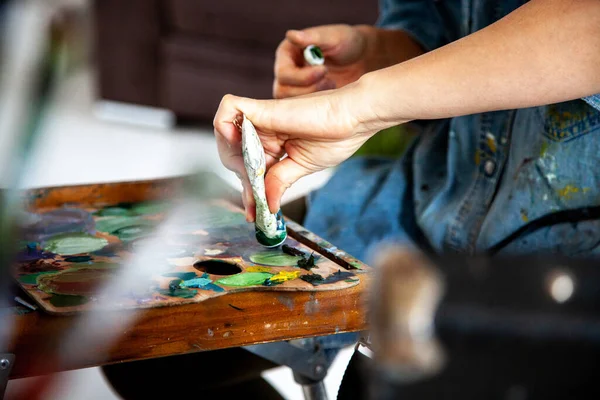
(360,103)
(374,104)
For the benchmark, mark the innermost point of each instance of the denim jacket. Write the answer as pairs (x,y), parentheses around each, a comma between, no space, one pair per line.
(499,182)
(516,181)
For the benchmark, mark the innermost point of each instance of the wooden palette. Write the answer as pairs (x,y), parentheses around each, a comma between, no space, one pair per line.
(153,253)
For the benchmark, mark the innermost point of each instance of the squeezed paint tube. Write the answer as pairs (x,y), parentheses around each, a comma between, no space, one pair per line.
(270,230)
(313,55)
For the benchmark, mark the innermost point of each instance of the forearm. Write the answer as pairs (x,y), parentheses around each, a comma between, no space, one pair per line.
(545,52)
(387,47)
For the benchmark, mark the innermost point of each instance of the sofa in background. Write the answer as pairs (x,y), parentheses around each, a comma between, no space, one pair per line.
(184,55)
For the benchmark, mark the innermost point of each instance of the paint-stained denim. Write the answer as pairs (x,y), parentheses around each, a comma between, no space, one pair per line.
(468,183)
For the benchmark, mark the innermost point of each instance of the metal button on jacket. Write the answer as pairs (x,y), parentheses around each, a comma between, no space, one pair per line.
(489,167)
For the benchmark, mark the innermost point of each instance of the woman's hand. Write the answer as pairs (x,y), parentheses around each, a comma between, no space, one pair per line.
(313,132)
(344,48)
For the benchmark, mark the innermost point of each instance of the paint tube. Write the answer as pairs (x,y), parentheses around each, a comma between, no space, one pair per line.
(270,229)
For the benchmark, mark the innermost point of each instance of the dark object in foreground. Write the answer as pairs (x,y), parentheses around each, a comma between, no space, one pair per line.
(476,327)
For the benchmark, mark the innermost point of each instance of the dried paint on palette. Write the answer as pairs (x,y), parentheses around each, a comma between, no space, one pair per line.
(210,250)
(67,244)
(31,279)
(83,281)
(339,276)
(32,252)
(38,227)
(274,258)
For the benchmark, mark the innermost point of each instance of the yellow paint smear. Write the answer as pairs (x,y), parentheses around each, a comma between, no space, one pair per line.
(544,149)
(568,191)
(258,269)
(491,142)
(284,276)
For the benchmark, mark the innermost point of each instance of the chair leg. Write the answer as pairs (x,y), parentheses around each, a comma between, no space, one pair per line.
(312,389)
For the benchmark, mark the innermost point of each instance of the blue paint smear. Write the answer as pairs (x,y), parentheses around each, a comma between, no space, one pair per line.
(195,283)
(39,227)
(213,287)
(32,253)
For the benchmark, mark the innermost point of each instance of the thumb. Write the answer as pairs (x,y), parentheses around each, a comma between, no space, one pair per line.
(326,39)
(279,178)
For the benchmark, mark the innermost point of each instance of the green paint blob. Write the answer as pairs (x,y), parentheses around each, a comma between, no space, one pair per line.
(181,275)
(274,258)
(181,293)
(214,217)
(113,211)
(150,207)
(245,279)
(67,244)
(113,224)
(31,279)
(60,300)
(135,232)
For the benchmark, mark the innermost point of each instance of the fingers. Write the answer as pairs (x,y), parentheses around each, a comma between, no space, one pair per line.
(232,159)
(229,146)
(283,91)
(248,200)
(289,67)
(279,178)
(326,37)
(230,153)
(291,77)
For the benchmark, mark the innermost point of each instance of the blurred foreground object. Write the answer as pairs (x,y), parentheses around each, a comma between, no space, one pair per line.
(523,327)
(407,292)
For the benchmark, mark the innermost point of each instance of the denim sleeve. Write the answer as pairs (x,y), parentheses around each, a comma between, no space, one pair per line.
(419,18)
(593,101)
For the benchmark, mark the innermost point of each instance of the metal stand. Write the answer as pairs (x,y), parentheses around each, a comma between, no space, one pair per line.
(306,359)
(7,361)
(312,389)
